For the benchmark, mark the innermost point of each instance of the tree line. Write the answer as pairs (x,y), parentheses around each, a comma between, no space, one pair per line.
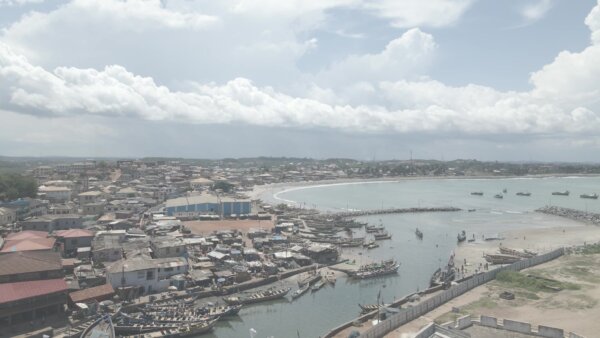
(13,186)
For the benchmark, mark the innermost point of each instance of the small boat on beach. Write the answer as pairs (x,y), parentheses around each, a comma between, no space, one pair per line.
(501,258)
(367,308)
(589,196)
(311,279)
(517,253)
(561,193)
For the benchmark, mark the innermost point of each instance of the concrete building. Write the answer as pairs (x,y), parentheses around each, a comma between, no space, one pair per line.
(149,275)
(28,241)
(206,203)
(7,216)
(26,301)
(89,197)
(200,183)
(51,223)
(168,247)
(73,239)
(54,194)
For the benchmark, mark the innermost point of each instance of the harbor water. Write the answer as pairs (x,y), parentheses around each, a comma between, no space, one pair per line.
(313,314)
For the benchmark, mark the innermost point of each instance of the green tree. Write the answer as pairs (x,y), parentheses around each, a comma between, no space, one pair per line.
(13,186)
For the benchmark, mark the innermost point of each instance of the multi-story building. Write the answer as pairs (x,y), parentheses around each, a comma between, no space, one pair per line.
(149,275)
(206,203)
(7,216)
(54,193)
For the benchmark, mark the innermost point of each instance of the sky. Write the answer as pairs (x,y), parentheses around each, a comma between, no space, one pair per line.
(514,80)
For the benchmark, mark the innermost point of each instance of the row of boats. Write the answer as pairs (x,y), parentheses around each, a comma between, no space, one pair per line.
(508,256)
(527,194)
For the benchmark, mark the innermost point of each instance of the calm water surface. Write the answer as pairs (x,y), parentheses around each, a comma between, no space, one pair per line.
(312,315)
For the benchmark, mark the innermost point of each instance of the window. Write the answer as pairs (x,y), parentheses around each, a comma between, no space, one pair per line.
(141,274)
(150,275)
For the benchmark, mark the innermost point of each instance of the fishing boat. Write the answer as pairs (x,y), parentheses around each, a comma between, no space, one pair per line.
(561,193)
(372,245)
(367,308)
(513,252)
(477,193)
(498,196)
(462,236)
(101,328)
(589,196)
(309,280)
(374,228)
(444,275)
(382,235)
(171,301)
(471,210)
(133,328)
(501,258)
(180,331)
(301,291)
(256,297)
(521,193)
(167,318)
(331,278)
(318,285)
(419,233)
(386,268)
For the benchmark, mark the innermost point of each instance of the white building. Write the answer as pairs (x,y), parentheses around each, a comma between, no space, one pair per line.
(55,194)
(151,275)
(7,216)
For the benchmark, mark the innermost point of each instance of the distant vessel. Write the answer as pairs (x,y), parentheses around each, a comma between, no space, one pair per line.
(498,196)
(472,210)
(477,193)
(419,233)
(520,193)
(561,193)
(300,291)
(382,235)
(594,196)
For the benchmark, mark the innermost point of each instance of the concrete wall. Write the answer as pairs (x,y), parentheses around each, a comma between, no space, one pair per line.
(488,321)
(409,314)
(513,325)
(550,332)
(463,322)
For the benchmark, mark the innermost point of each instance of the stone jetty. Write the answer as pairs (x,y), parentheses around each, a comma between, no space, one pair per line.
(577,215)
(393,211)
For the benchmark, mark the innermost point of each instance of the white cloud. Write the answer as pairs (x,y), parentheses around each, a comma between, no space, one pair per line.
(423,106)
(407,55)
(536,10)
(6,3)
(419,13)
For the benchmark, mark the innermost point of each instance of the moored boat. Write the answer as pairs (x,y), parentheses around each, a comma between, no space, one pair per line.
(498,196)
(513,252)
(382,235)
(477,193)
(256,297)
(301,291)
(318,285)
(521,193)
(101,328)
(366,308)
(589,196)
(561,193)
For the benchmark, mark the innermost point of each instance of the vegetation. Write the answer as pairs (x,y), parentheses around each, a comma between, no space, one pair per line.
(513,279)
(591,249)
(13,186)
(222,185)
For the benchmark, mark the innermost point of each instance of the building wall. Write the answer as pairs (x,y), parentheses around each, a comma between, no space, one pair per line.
(241,207)
(7,216)
(157,283)
(79,242)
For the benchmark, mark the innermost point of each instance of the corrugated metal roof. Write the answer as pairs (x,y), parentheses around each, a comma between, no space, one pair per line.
(10,292)
(29,261)
(92,293)
(28,244)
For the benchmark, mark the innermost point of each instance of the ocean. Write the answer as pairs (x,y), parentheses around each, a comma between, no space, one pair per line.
(312,315)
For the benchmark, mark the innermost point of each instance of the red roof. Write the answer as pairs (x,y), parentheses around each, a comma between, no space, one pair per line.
(97,292)
(28,234)
(10,292)
(28,244)
(74,233)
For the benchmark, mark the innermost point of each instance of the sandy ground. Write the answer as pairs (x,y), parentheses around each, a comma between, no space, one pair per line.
(207,227)
(572,310)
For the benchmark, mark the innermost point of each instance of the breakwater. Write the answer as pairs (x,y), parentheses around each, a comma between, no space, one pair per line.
(357,213)
(573,214)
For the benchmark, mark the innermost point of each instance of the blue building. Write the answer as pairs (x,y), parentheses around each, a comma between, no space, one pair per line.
(208,204)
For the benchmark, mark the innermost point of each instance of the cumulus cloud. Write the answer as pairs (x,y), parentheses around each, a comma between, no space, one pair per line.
(407,55)
(418,13)
(422,106)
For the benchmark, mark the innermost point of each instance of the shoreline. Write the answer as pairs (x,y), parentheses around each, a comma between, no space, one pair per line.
(274,189)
